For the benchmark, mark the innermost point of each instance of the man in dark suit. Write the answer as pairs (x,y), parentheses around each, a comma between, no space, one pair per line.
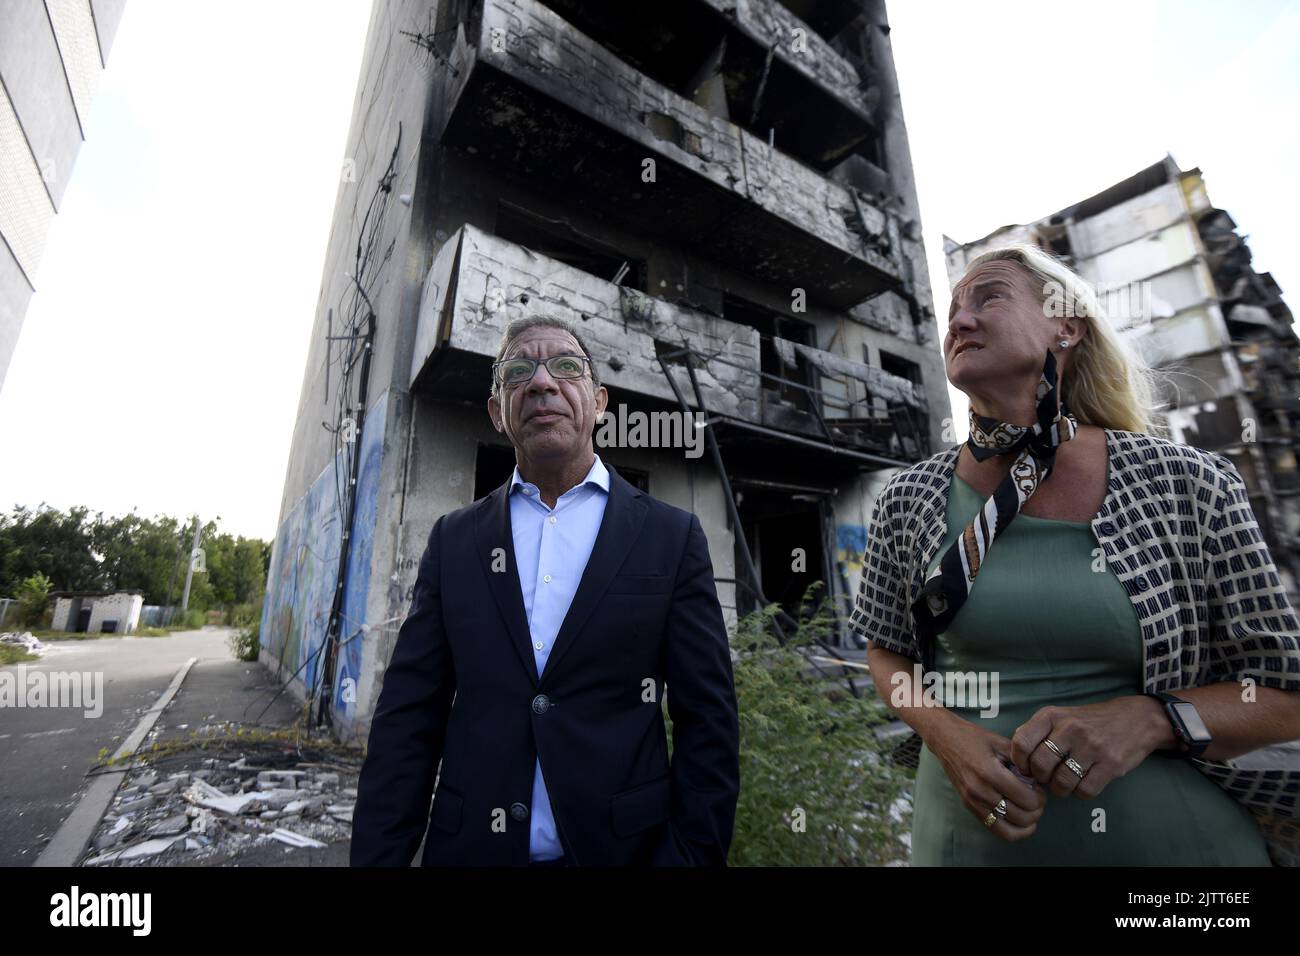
(548,622)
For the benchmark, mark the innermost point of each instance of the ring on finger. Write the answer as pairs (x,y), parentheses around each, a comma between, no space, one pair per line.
(1001,808)
(991,819)
(1047,742)
(1075,766)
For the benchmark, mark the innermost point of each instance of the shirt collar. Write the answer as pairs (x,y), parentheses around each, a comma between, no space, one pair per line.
(598,475)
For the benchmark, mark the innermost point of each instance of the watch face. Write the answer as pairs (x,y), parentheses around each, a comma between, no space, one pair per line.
(1192,721)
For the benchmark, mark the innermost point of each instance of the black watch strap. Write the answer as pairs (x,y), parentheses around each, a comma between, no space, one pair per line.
(1187,747)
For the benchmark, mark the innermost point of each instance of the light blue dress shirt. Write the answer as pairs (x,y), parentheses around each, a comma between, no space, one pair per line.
(552,546)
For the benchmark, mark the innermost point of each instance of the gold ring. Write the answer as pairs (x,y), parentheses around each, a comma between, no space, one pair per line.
(991,819)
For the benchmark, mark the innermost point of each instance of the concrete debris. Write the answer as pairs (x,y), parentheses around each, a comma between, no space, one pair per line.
(220,809)
(295,839)
(135,851)
(279,779)
(120,830)
(22,639)
(326,781)
(171,826)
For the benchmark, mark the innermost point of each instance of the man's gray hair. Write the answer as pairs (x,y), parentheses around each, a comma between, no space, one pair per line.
(519,326)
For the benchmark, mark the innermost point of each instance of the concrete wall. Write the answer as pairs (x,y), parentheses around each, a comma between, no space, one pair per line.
(62,607)
(51,57)
(122,608)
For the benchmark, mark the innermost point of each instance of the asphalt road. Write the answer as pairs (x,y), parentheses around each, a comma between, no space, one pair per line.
(45,752)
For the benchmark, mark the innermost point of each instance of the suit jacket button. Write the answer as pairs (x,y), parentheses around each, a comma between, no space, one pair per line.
(541,704)
(519,812)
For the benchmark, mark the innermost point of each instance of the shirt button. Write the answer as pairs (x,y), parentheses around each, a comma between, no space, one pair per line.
(1107,528)
(519,811)
(547,579)
(552,519)
(540,646)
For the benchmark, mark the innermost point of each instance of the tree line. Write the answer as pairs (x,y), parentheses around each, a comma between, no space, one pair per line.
(80,551)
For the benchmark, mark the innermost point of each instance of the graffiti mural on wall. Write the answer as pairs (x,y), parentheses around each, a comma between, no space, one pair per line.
(357,588)
(850,543)
(304,569)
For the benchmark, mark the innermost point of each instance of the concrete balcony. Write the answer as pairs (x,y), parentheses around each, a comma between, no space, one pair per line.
(535,98)
(750,61)
(478,283)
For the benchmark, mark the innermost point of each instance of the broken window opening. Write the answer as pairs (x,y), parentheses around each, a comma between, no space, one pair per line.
(557,239)
(696,52)
(771,324)
(786,536)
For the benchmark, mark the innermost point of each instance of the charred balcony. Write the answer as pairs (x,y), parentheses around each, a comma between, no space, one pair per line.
(545,104)
(770,399)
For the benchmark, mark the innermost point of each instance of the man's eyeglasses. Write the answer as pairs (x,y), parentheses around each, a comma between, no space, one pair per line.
(517,371)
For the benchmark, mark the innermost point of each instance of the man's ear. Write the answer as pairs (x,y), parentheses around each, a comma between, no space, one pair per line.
(602,400)
(494,412)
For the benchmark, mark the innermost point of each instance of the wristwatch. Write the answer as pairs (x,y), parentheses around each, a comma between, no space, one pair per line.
(1191,731)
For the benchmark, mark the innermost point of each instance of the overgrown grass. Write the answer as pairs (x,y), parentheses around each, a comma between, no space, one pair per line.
(47,635)
(231,739)
(13,654)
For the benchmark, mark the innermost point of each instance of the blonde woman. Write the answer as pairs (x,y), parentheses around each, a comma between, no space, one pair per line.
(1111,586)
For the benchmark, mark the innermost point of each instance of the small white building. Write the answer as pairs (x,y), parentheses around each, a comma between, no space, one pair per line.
(96,612)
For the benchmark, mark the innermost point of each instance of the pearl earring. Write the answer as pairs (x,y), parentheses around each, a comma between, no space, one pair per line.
(1065,343)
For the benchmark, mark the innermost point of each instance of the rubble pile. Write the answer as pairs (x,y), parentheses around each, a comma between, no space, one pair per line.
(167,819)
(22,639)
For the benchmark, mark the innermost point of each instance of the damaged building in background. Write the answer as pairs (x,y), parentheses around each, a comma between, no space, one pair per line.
(717,193)
(1176,279)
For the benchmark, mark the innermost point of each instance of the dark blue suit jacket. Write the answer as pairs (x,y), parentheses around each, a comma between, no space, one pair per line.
(462,690)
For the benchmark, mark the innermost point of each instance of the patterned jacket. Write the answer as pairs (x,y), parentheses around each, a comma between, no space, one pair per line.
(1177,530)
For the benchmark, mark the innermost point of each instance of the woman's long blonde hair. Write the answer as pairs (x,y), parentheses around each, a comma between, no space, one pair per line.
(1105,383)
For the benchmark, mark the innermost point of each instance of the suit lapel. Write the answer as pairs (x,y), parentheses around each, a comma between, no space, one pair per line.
(624,515)
(493,528)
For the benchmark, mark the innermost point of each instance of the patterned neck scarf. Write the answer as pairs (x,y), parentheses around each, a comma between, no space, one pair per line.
(946,590)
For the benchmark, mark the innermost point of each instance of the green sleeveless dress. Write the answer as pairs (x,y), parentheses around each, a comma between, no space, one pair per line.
(1057,633)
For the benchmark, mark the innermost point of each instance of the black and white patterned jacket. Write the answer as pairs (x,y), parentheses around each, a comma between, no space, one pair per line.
(1177,530)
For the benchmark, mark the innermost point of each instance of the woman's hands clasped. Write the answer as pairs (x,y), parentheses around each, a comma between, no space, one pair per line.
(977,762)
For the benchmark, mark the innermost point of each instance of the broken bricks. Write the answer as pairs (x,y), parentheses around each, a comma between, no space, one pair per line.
(219,808)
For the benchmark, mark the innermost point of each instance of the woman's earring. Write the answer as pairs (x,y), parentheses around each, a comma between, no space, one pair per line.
(1065,343)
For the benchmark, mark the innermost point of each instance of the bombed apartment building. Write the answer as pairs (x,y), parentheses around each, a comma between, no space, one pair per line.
(718,193)
(1176,278)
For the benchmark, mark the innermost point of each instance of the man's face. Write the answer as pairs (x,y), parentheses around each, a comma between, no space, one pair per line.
(548,418)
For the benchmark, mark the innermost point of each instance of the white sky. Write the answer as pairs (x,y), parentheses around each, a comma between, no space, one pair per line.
(1018,108)
(161,359)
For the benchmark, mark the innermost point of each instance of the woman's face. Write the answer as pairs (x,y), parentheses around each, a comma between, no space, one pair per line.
(997,331)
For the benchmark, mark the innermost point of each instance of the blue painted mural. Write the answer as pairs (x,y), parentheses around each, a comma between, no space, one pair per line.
(304,570)
(850,543)
(347,673)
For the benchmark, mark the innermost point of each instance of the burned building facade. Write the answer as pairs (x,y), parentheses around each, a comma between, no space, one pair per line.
(717,193)
(1176,279)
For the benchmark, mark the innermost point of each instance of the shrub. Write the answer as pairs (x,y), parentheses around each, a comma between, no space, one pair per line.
(816,787)
(246,642)
(33,598)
